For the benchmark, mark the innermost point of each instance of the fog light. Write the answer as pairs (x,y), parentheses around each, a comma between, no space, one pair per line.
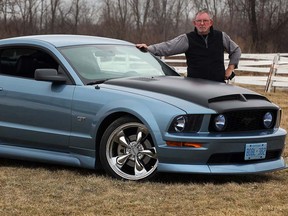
(220,122)
(268,120)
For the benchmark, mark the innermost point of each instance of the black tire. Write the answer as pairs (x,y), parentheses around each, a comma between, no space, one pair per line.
(127,150)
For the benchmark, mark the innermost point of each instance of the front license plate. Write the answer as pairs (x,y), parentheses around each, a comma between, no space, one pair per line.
(255,151)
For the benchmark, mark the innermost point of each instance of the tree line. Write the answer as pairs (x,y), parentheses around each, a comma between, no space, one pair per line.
(256,25)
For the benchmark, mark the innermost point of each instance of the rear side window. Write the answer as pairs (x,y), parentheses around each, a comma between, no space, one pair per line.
(23,62)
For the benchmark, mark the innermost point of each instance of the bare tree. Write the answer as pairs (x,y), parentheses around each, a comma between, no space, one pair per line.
(4,7)
(107,24)
(140,12)
(26,18)
(116,19)
(123,14)
(178,11)
(76,8)
(162,19)
(54,6)
(265,22)
(257,25)
(253,23)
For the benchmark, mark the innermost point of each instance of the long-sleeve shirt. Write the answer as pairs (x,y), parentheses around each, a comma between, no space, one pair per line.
(180,44)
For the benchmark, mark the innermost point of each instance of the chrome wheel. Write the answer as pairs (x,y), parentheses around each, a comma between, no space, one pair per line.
(127,150)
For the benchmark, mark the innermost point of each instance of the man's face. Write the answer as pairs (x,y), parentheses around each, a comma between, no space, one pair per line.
(203,23)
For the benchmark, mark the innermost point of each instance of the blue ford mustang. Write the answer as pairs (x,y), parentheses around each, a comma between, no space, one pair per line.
(102,103)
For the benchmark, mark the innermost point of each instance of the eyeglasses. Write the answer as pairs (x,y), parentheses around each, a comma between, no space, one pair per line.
(200,21)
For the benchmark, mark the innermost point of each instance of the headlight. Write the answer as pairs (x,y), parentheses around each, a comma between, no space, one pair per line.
(220,122)
(186,123)
(179,124)
(268,120)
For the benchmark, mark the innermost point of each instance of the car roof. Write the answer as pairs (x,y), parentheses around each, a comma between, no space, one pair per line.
(60,40)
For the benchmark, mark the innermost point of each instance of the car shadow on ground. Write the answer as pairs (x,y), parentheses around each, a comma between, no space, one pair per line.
(214,179)
(166,178)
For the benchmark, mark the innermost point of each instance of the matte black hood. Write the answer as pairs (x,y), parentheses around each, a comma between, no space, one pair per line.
(202,92)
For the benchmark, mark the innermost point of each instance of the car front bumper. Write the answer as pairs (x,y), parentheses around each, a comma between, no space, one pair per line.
(222,154)
(225,169)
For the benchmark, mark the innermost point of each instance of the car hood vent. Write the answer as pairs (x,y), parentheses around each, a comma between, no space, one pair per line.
(147,79)
(239,97)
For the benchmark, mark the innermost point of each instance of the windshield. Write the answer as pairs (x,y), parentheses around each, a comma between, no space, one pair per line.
(101,62)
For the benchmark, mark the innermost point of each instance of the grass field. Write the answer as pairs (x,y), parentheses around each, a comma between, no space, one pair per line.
(37,189)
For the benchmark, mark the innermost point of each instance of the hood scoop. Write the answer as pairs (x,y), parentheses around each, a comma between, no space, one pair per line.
(237,97)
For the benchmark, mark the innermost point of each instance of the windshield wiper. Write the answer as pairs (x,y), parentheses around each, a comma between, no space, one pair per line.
(95,82)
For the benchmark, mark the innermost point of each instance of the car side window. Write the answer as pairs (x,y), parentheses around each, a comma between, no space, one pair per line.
(22,62)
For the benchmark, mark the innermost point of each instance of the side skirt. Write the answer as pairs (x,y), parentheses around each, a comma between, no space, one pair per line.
(44,156)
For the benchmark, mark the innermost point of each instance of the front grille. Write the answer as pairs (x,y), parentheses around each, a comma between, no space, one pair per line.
(238,158)
(243,120)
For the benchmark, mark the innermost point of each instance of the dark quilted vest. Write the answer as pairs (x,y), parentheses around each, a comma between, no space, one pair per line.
(206,61)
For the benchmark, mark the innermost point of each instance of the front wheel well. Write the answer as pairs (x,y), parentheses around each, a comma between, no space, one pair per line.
(102,127)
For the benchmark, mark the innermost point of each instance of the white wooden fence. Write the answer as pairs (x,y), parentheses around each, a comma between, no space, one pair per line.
(268,70)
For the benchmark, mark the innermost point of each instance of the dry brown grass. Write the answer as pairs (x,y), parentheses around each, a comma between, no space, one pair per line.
(36,189)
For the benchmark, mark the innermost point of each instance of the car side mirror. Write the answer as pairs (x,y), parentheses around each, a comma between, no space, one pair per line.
(48,74)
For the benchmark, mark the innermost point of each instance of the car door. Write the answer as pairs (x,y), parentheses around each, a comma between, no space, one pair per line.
(34,114)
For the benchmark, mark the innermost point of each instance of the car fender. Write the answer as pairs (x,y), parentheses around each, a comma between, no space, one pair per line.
(155,119)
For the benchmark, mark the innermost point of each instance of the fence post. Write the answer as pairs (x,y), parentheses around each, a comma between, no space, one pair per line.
(272,72)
